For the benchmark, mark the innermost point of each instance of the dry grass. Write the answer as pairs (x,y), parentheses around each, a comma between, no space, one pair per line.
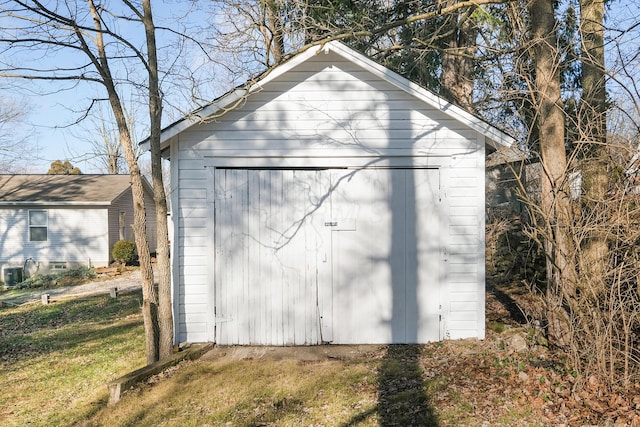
(395,386)
(245,393)
(55,360)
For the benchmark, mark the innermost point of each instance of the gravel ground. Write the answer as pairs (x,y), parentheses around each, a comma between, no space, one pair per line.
(126,281)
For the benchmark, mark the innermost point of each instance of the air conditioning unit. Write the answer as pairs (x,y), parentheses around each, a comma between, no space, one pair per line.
(13,276)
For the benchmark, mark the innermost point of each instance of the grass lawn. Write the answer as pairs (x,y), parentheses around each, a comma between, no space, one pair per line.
(55,360)
(389,387)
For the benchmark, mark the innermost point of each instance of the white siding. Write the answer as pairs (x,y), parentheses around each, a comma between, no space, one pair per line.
(193,304)
(338,116)
(124,203)
(77,236)
(297,116)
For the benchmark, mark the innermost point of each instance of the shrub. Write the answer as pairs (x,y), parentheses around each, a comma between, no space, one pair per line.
(124,252)
(73,277)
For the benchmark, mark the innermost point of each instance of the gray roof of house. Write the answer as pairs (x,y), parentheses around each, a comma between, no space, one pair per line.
(61,189)
(505,155)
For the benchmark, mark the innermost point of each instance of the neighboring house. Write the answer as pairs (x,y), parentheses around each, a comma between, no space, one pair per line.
(332,201)
(514,179)
(508,171)
(50,223)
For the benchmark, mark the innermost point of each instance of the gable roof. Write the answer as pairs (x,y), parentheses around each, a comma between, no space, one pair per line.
(61,189)
(228,101)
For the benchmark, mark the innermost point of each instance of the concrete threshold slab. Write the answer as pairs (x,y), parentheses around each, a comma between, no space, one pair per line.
(301,353)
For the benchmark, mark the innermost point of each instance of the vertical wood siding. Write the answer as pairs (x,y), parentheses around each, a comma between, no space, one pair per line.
(270,240)
(386,257)
(329,112)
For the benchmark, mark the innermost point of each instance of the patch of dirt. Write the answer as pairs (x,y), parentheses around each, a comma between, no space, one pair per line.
(494,379)
(128,280)
(533,374)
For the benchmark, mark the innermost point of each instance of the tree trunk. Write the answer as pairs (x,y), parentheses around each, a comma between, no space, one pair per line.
(149,296)
(556,207)
(273,31)
(593,136)
(458,71)
(165,310)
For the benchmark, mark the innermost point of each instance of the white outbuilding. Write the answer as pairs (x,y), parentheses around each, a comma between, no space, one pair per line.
(329,201)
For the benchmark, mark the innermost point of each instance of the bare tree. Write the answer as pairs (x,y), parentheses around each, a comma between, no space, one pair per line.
(592,125)
(556,207)
(165,309)
(100,60)
(588,230)
(84,28)
(105,144)
(254,34)
(15,147)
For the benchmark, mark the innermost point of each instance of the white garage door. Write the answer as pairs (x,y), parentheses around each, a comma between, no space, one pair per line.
(330,255)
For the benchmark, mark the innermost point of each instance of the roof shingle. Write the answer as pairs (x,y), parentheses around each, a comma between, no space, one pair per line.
(65,189)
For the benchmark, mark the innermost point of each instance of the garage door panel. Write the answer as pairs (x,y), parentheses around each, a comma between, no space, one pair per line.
(362,258)
(267,250)
(313,256)
(385,272)
(228,232)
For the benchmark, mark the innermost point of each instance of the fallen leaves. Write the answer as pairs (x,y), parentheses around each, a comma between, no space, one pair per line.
(493,382)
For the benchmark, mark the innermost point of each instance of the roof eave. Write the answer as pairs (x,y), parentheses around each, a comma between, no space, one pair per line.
(54,203)
(223,103)
(493,134)
(494,137)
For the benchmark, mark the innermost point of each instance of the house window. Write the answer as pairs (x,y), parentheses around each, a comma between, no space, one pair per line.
(38,223)
(59,265)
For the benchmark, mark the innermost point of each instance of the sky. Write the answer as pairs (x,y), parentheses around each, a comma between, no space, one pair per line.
(55,124)
(52,119)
